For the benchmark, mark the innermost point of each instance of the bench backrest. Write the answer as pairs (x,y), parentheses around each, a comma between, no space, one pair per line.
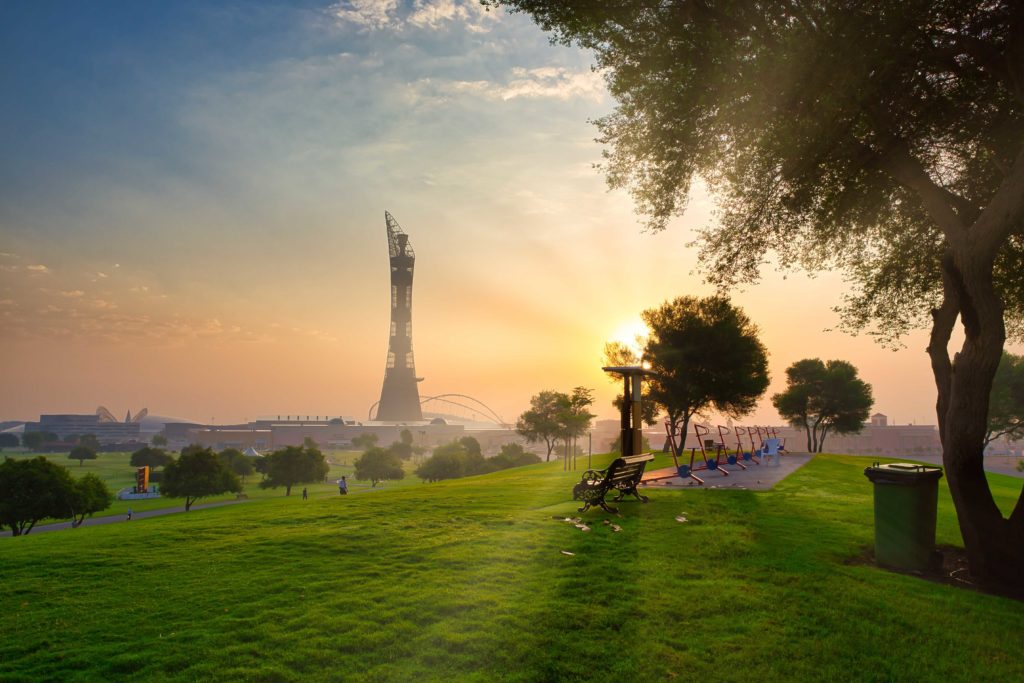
(629,468)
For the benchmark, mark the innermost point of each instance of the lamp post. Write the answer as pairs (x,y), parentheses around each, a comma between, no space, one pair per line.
(631,413)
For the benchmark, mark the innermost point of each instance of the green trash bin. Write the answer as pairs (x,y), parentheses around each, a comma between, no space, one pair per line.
(906,496)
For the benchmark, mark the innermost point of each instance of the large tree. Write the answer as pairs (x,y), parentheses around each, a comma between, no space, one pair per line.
(824,398)
(1006,406)
(704,354)
(88,496)
(31,490)
(294,465)
(149,456)
(543,421)
(882,138)
(197,473)
(81,454)
(378,464)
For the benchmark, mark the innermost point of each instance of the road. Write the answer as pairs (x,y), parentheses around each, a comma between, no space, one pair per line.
(111,519)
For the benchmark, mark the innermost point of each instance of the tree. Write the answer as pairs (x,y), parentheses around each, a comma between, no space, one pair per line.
(81,454)
(159,440)
(512,455)
(365,441)
(379,464)
(883,139)
(1006,404)
(294,465)
(575,417)
(151,457)
(822,398)
(8,440)
(89,495)
(542,422)
(34,440)
(237,462)
(89,441)
(31,490)
(197,473)
(703,353)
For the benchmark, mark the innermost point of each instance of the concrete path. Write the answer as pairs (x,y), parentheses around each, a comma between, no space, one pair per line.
(756,477)
(111,519)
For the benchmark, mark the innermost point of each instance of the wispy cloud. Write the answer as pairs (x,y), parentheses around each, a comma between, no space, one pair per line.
(424,14)
(541,83)
(37,268)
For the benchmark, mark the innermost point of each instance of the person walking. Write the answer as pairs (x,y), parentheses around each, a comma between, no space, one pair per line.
(305,493)
(342,486)
(129,515)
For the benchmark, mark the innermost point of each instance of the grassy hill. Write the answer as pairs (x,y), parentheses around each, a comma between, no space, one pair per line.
(466,580)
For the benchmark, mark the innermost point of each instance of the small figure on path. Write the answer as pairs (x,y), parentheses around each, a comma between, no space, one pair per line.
(129,515)
(342,486)
(305,493)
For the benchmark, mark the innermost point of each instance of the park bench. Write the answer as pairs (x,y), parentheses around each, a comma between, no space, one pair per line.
(623,476)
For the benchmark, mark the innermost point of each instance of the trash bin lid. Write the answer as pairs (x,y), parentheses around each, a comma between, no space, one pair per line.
(902,473)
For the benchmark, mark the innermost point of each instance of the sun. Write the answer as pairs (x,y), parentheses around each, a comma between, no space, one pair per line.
(631,333)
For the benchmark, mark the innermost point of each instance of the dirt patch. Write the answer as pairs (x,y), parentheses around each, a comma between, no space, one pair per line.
(953,570)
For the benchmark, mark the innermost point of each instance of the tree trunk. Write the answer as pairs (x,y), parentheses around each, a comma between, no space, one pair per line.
(995,545)
(807,427)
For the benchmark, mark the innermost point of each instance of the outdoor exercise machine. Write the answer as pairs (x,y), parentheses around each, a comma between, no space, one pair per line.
(730,458)
(749,456)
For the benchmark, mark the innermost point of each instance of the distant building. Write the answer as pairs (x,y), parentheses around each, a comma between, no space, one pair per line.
(79,425)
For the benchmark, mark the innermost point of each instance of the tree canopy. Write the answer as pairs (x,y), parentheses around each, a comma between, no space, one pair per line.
(237,462)
(823,398)
(1006,405)
(365,441)
(88,496)
(294,465)
(197,473)
(81,454)
(149,456)
(8,440)
(89,441)
(31,490)
(379,464)
(704,353)
(554,415)
(883,139)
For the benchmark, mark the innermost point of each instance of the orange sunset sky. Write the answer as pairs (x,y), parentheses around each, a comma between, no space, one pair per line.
(192,216)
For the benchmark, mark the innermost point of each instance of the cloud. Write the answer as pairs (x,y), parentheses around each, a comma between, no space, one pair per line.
(37,268)
(368,14)
(549,82)
(72,293)
(434,15)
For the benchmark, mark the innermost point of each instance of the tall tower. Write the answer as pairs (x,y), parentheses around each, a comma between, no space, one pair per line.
(400,398)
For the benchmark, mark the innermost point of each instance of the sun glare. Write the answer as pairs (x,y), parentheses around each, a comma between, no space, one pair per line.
(631,333)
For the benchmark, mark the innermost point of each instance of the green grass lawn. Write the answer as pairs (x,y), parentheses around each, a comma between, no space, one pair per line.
(466,580)
(116,470)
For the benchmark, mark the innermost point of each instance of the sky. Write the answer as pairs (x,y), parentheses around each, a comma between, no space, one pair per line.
(192,201)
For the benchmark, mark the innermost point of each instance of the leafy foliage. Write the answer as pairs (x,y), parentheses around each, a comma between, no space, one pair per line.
(703,353)
(237,462)
(365,441)
(822,398)
(32,490)
(159,440)
(89,441)
(88,496)
(379,464)
(1006,404)
(294,465)
(81,454)
(34,440)
(197,473)
(555,415)
(151,457)
(617,354)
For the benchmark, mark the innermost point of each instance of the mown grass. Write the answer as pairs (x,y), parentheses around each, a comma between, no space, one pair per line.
(466,580)
(116,470)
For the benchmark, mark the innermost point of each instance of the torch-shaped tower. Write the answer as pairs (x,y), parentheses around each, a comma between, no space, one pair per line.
(400,398)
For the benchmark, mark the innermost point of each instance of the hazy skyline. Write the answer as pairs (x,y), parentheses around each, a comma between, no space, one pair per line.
(192,215)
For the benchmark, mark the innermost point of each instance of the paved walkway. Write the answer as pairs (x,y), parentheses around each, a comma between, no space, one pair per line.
(757,477)
(111,519)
